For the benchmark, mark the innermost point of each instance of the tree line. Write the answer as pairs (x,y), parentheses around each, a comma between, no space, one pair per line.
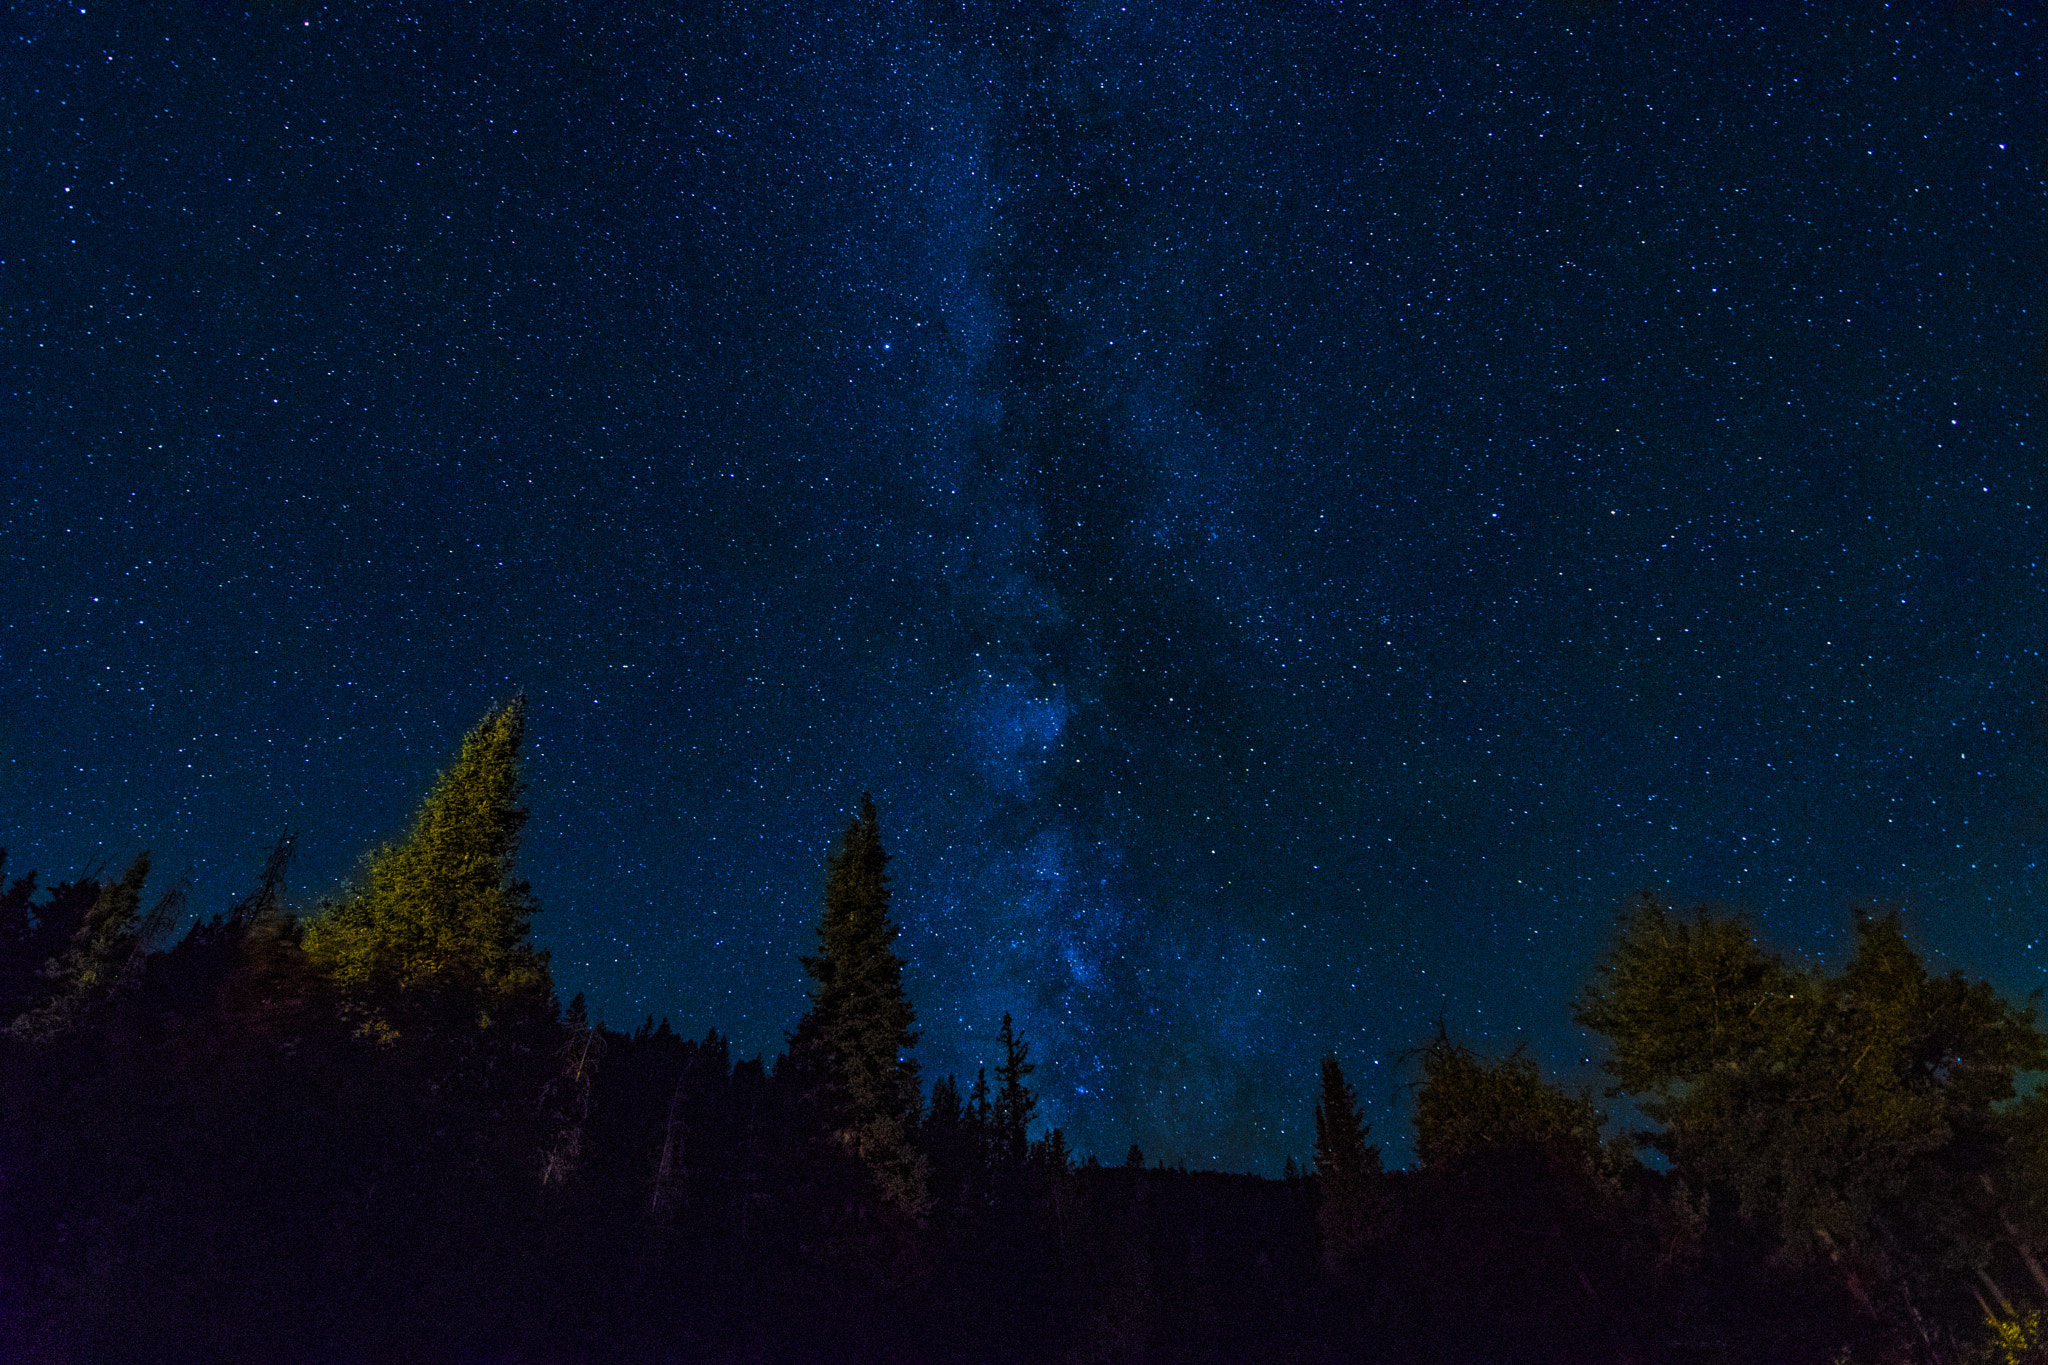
(371,1131)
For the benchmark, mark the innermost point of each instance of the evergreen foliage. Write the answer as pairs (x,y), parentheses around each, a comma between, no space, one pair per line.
(203,1162)
(442,904)
(1340,1128)
(1014,1103)
(943,1113)
(853,1041)
(1049,1153)
(35,935)
(1467,1109)
(980,1112)
(1857,1118)
(101,947)
(1351,1207)
(950,1144)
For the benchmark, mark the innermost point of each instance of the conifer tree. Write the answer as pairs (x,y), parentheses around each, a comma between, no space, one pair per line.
(443,904)
(943,1112)
(100,948)
(978,1107)
(980,1119)
(1050,1153)
(19,926)
(1014,1102)
(858,1029)
(1347,1171)
(1467,1109)
(946,1141)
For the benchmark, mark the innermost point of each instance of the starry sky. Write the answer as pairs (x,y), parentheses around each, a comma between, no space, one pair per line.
(1294,510)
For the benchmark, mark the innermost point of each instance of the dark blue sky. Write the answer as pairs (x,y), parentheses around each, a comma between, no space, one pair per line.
(1293,510)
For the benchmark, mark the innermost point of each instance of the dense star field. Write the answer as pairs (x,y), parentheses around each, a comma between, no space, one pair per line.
(1293,511)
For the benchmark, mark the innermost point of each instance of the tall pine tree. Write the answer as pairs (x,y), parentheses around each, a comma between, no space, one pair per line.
(1014,1102)
(1351,1205)
(101,947)
(854,1038)
(442,905)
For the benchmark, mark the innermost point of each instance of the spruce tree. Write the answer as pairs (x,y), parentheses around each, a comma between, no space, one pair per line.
(855,1035)
(949,1141)
(1350,1208)
(442,905)
(100,950)
(1467,1109)
(19,940)
(1014,1102)
(1050,1153)
(943,1113)
(980,1119)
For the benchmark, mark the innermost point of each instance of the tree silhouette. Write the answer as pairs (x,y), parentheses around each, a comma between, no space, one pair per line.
(35,935)
(853,1040)
(1014,1102)
(99,953)
(1352,1207)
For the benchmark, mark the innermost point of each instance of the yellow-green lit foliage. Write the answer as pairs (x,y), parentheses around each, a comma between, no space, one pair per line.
(2013,1339)
(442,903)
(1825,1102)
(1467,1108)
(104,943)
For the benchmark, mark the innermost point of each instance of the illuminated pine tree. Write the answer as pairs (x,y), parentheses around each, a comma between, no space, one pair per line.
(858,1029)
(443,904)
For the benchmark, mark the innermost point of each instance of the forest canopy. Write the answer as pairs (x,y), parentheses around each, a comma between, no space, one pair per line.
(370,1130)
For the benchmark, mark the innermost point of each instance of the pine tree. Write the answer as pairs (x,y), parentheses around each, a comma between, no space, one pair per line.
(1347,1171)
(1050,1153)
(1014,1102)
(1467,1109)
(101,948)
(943,1113)
(443,905)
(980,1120)
(977,1100)
(18,942)
(1340,1130)
(858,1028)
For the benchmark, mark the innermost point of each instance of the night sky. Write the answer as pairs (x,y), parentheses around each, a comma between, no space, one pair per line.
(1294,511)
